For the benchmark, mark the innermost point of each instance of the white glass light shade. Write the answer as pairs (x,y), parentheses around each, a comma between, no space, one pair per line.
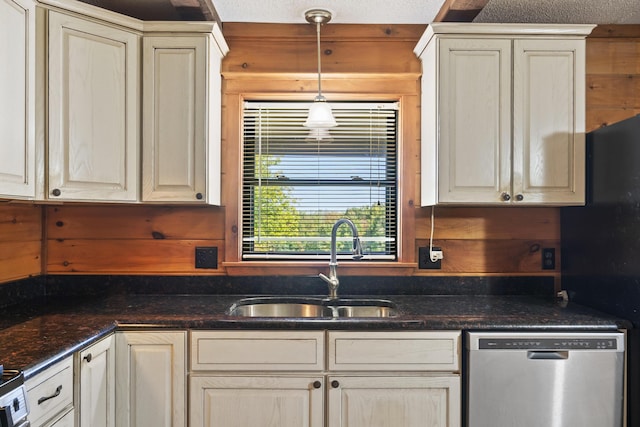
(320,116)
(319,134)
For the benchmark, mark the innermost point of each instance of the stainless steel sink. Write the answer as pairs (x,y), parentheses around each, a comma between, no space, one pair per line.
(310,307)
(363,308)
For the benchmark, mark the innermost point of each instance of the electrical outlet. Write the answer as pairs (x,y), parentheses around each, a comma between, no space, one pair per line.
(424,260)
(548,258)
(207,257)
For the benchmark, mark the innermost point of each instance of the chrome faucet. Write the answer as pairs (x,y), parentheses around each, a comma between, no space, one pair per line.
(332,280)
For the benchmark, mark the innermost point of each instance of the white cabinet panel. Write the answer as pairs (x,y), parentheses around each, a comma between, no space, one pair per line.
(93,111)
(181,115)
(257,350)
(394,401)
(503,114)
(50,393)
(548,121)
(174,161)
(17,102)
(151,379)
(475,120)
(97,384)
(268,401)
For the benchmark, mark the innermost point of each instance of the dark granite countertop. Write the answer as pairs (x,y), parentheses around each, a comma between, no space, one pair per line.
(36,335)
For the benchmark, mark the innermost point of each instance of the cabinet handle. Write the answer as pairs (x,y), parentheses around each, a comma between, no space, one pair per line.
(56,192)
(88,358)
(519,197)
(199,196)
(506,197)
(335,384)
(317,384)
(56,394)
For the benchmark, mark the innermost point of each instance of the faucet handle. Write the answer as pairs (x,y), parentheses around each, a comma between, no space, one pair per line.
(357,248)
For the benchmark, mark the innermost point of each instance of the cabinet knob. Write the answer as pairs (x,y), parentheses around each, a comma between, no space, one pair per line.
(519,197)
(56,192)
(199,196)
(317,384)
(88,357)
(505,197)
(335,384)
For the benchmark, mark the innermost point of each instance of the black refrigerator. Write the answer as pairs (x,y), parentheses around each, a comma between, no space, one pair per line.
(601,241)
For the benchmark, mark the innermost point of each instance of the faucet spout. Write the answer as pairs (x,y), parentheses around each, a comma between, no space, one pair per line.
(333,280)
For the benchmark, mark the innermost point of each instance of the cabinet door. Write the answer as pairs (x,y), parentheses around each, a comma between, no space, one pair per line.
(174,112)
(17,102)
(548,121)
(266,401)
(151,379)
(394,401)
(474,155)
(97,384)
(93,111)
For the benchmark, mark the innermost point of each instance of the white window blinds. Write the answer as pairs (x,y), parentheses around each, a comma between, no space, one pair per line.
(297,182)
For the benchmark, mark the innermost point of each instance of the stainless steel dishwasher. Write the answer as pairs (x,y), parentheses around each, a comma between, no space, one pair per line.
(544,379)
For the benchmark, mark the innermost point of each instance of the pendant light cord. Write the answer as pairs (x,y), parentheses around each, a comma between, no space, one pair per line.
(319,70)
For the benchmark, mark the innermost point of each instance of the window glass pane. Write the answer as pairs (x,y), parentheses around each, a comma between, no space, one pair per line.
(295,186)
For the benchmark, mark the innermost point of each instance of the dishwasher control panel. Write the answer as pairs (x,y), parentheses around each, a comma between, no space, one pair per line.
(548,344)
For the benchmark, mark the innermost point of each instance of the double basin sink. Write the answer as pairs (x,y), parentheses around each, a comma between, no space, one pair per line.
(312,307)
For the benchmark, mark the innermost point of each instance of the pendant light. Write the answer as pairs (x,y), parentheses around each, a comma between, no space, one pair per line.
(320,114)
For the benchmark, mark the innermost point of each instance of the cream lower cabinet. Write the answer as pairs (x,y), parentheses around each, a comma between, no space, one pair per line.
(151,377)
(50,396)
(96,384)
(503,117)
(313,378)
(408,401)
(93,139)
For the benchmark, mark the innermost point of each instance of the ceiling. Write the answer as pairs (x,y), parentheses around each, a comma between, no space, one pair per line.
(383,11)
(424,11)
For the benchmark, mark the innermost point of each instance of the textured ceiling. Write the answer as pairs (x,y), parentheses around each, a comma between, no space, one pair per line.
(344,11)
(424,11)
(562,11)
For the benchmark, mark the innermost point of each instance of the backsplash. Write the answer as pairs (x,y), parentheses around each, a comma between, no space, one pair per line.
(73,285)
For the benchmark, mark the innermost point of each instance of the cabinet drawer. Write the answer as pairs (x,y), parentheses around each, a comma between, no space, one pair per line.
(50,393)
(394,351)
(257,350)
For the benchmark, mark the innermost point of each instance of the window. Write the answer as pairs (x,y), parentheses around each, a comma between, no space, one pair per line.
(297,183)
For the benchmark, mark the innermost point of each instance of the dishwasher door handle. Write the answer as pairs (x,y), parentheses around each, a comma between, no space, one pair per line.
(547,355)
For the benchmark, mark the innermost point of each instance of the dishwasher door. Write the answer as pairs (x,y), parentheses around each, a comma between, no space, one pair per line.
(544,379)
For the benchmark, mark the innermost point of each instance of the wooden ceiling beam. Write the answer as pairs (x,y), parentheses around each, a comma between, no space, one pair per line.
(460,10)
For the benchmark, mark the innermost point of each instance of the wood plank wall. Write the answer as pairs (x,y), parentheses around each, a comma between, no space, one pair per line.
(613,74)
(20,241)
(113,239)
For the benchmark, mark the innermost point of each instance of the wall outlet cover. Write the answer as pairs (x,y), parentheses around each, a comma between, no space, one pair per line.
(207,257)
(424,260)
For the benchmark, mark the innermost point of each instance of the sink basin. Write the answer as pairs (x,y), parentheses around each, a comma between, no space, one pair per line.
(363,308)
(309,307)
(278,307)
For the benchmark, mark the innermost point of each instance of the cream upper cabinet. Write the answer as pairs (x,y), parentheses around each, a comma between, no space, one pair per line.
(151,379)
(96,384)
(503,114)
(181,116)
(93,110)
(17,102)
